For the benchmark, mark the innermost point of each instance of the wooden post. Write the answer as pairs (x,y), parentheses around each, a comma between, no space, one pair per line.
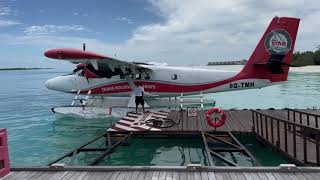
(261,123)
(253,124)
(308,121)
(266,124)
(316,121)
(4,157)
(272,138)
(317,148)
(300,117)
(294,141)
(288,118)
(278,134)
(305,153)
(285,136)
(257,120)
(109,140)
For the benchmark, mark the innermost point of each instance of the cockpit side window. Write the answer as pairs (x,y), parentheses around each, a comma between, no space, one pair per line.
(80,72)
(174,77)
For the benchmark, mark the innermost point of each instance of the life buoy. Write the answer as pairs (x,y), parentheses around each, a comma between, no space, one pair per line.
(219,117)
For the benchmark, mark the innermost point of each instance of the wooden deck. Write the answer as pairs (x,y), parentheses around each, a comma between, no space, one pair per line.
(237,121)
(164,173)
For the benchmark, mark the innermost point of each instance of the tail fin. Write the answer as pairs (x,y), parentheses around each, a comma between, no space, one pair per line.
(271,58)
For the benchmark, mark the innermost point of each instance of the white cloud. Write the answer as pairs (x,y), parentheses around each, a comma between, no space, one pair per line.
(198,31)
(6,10)
(51,29)
(193,31)
(124,19)
(80,14)
(5,23)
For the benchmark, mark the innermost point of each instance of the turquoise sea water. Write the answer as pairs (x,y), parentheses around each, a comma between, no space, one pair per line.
(37,136)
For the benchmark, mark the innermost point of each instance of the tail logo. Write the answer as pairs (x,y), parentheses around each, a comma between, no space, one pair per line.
(278,42)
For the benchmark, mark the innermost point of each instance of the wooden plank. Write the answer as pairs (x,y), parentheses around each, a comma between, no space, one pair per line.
(148,175)
(77,175)
(240,176)
(233,176)
(197,175)
(219,176)
(263,176)
(175,175)
(162,175)
(115,175)
(155,175)
(211,176)
(270,176)
(249,176)
(190,176)
(204,175)
(169,175)
(124,175)
(142,175)
(182,175)
(300,176)
(135,175)
(226,176)
(12,175)
(58,175)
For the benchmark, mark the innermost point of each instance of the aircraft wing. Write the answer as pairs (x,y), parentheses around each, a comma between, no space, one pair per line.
(96,60)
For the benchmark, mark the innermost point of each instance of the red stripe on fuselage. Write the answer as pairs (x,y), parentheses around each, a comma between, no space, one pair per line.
(158,87)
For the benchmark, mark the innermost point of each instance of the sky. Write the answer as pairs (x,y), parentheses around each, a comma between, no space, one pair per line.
(178,32)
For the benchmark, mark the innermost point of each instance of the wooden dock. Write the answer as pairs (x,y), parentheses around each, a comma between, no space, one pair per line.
(163,173)
(237,121)
(293,133)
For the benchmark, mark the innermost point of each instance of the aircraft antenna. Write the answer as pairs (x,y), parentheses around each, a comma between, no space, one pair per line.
(84,46)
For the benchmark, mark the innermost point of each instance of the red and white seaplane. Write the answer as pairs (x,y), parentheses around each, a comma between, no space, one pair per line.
(100,75)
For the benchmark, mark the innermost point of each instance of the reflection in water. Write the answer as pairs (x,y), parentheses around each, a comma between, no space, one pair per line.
(159,151)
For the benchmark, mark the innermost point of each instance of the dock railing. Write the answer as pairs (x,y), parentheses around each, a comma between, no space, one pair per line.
(4,157)
(301,117)
(276,132)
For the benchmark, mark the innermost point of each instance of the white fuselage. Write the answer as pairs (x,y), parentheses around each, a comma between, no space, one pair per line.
(163,81)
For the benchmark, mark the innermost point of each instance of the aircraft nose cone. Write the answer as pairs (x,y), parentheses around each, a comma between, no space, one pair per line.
(47,84)
(60,83)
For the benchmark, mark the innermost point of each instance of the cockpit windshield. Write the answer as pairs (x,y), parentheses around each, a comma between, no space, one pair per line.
(103,72)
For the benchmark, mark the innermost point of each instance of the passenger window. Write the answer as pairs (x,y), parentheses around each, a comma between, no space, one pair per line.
(122,76)
(174,77)
(147,76)
(138,76)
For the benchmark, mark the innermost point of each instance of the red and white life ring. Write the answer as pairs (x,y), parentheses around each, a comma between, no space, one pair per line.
(218,119)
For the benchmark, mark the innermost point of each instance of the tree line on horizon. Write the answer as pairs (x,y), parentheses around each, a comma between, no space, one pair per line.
(306,58)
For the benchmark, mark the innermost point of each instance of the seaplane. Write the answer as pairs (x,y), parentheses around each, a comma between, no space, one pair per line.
(108,83)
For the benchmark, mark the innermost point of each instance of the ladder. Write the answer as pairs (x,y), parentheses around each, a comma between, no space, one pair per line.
(76,98)
(200,96)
